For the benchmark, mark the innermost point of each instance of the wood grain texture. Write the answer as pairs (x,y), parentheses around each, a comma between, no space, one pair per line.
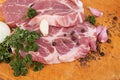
(107,68)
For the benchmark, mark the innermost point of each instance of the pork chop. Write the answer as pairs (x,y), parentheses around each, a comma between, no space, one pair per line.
(63,13)
(60,13)
(69,36)
(64,44)
(15,10)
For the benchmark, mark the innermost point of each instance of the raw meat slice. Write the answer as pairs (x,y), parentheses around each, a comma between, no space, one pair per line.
(63,13)
(64,44)
(15,10)
(69,37)
(60,13)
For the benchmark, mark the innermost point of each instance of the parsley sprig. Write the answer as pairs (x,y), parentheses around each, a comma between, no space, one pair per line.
(92,19)
(31,13)
(20,40)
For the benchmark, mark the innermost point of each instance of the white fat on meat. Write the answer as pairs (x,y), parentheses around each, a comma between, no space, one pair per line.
(67,46)
(68,36)
(69,12)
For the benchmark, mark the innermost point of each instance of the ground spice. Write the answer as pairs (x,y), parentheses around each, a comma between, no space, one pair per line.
(87,58)
(113,22)
(110,14)
(109,34)
(99,52)
(93,55)
(99,58)
(112,47)
(98,46)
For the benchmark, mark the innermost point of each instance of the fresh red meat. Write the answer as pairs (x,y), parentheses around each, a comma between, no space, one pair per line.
(64,13)
(64,44)
(15,10)
(69,37)
(60,13)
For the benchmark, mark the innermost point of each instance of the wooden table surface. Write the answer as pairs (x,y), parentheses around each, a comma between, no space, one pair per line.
(106,68)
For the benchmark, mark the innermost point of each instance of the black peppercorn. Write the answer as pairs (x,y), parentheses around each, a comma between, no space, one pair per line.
(54,43)
(65,35)
(72,33)
(82,30)
(77,43)
(102,54)
(109,41)
(115,18)
(73,38)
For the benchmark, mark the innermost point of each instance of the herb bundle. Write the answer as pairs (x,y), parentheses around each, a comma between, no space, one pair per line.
(20,40)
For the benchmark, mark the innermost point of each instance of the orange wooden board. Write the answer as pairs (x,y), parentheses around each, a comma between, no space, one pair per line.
(107,68)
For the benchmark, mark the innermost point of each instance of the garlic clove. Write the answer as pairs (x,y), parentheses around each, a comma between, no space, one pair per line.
(4,31)
(44,27)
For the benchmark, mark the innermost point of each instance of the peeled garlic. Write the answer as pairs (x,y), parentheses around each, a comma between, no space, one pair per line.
(44,27)
(4,31)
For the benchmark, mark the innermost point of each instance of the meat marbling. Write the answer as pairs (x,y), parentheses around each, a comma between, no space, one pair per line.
(63,13)
(69,37)
(64,44)
(14,10)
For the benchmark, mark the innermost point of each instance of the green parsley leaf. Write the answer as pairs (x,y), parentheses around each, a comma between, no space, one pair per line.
(5,52)
(92,19)
(34,47)
(24,71)
(37,66)
(31,13)
(20,40)
(16,66)
(28,59)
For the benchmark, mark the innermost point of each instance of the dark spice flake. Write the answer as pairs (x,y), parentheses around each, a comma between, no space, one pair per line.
(113,22)
(109,34)
(86,59)
(98,47)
